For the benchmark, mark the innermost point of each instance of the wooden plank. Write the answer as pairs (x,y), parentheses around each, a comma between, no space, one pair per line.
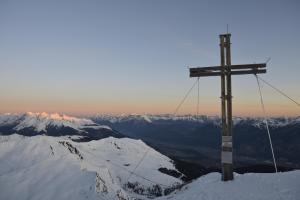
(200,74)
(232,67)
(223,85)
(224,35)
(227,151)
(254,71)
(247,66)
(239,72)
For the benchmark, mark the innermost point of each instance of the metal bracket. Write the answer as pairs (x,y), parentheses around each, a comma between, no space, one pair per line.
(226,157)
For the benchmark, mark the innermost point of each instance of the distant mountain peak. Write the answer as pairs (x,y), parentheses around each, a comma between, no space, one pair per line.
(56,116)
(53,124)
(40,121)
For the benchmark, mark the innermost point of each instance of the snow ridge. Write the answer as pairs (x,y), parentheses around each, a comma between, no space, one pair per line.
(40,121)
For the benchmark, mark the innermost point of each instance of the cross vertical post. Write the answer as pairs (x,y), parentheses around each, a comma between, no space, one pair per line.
(226,148)
(225,70)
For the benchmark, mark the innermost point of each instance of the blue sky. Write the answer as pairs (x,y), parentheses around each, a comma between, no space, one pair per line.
(132,56)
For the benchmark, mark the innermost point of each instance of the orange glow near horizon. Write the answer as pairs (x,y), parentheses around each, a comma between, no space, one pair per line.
(154,107)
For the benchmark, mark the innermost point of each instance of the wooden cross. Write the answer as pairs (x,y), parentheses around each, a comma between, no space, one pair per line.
(225,70)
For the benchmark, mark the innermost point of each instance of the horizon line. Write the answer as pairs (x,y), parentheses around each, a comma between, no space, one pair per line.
(146,113)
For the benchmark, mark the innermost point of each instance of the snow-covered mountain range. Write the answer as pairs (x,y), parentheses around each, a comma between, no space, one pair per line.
(54,125)
(202,119)
(40,121)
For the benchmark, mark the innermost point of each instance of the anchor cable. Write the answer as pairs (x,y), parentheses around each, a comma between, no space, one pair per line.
(198,95)
(278,90)
(184,98)
(266,121)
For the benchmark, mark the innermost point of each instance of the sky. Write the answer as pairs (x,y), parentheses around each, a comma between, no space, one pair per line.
(87,57)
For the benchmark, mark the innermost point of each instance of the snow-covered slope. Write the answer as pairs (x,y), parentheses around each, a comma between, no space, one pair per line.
(44,167)
(281,186)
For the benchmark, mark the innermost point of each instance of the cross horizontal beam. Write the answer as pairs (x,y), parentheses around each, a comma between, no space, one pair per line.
(233,70)
(240,72)
(243,66)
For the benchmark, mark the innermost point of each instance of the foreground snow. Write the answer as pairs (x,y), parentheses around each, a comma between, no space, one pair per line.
(280,186)
(43,167)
